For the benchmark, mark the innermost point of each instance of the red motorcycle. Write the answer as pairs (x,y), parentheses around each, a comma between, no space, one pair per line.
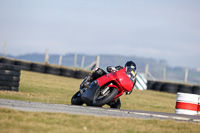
(106,89)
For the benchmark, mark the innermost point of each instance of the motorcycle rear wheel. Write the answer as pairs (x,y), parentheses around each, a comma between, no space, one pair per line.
(104,99)
(76,99)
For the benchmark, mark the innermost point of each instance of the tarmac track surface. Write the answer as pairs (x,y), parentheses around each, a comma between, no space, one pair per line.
(95,111)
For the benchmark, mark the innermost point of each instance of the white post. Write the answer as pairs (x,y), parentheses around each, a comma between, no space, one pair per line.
(46,57)
(60,60)
(164,74)
(4,50)
(186,75)
(146,70)
(82,62)
(75,59)
(97,61)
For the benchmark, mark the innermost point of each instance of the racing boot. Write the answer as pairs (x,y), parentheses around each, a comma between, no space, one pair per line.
(115,104)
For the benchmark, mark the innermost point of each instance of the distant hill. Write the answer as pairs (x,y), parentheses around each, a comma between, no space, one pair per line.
(155,66)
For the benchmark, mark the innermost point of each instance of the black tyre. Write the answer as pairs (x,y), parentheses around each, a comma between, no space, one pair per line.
(76,99)
(24,65)
(157,86)
(6,78)
(67,72)
(169,87)
(9,73)
(16,79)
(7,61)
(7,88)
(81,74)
(150,84)
(185,88)
(15,84)
(6,83)
(100,100)
(38,68)
(196,90)
(52,70)
(9,67)
(15,88)
(115,104)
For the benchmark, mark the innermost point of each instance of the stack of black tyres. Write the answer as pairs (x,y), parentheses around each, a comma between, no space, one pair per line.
(67,72)
(196,90)
(45,68)
(157,86)
(184,88)
(52,70)
(9,77)
(150,83)
(7,61)
(37,67)
(81,74)
(169,88)
(25,65)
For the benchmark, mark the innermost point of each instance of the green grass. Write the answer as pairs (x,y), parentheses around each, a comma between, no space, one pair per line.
(13,121)
(47,88)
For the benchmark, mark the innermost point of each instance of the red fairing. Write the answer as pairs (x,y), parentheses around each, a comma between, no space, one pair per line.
(121,79)
(124,80)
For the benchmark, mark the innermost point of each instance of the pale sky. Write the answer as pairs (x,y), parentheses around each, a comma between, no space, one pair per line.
(160,29)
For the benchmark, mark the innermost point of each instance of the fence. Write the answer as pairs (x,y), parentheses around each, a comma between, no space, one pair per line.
(164,74)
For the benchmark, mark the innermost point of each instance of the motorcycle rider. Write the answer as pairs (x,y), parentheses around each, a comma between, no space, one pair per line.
(98,72)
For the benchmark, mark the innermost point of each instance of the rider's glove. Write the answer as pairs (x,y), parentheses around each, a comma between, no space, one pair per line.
(129,92)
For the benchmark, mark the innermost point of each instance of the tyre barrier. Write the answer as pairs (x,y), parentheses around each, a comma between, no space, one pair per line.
(150,83)
(7,61)
(36,67)
(67,72)
(185,88)
(43,68)
(9,77)
(171,87)
(187,104)
(157,86)
(81,74)
(24,65)
(196,90)
(52,70)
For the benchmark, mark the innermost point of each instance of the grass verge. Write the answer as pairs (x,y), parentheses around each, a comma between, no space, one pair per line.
(48,88)
(29,122)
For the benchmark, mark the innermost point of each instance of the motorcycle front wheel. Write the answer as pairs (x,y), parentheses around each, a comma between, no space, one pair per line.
(102,99)
(76,99)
